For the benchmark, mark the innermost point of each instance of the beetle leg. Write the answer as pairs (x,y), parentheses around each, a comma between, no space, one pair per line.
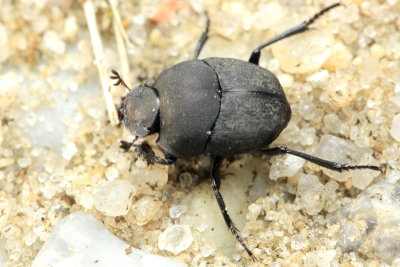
(147,153)
(216,182)
(302,27)
(119,80)
(321,162)
(203,38)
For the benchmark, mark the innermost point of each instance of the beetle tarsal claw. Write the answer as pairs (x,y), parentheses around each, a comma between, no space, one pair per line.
(119,81)
(125,145)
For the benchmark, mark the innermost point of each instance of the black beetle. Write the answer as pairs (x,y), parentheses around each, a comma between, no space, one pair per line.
(220,106)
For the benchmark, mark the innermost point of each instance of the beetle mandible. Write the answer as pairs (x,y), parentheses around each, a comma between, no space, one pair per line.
(220,106)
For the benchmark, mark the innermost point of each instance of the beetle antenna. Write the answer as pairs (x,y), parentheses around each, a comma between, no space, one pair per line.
(119,81)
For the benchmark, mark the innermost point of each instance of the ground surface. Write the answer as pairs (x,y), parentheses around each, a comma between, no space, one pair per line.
(59,142)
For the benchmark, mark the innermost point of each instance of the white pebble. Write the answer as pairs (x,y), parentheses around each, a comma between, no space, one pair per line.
(311,193)
(111,173)
(69,151)
(9,89)
(71,28)
(286,80)
(299,242)
(393,176)
(145,209)
(5,50)
(285,166)
(24,162)
(81,240)
(176,239)
(54,43)
(377,50)
(6,162)
(345,152)
(177,210)
(113,198)
(149,179)
(395,129)
(319,78)
(305,53)
(267,15)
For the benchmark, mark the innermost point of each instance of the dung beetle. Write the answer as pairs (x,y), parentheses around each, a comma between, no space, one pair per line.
(219,106)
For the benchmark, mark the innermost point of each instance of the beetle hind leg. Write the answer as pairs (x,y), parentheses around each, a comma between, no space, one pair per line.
(203,38)
(302,27)
(321,162)
(216,182)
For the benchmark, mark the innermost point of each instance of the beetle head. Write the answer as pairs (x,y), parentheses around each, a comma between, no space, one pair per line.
(140,111)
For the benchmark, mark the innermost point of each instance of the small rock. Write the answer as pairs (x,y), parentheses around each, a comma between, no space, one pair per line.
(340,58)
(322,258)
(5,162)
(149,179)
(113,198)
(54,43)
(71,28)
(111,173)
(4,260)
(24,162)
(342,90)
(369,224)
(395,129)
(311,193)
(266,16)
(145,208)
(286,80)
(176,239)
(5,50)
(344,152)
(285,166)
(81,240)
(9,89)
(177,210)
(377,50)
(187,180)
(299,242)
(303,53)
(69,150)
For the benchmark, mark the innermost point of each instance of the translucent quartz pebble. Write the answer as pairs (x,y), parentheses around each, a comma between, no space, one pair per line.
(311,193)
(81,240)
(395,129)
(145,209)
(176,239)
(266,16)
(54,43)
(285,166)
(177,210)
(5,51)
(303,53)
(345,152)
(9,93)
(149,179)
(370,223)
(113,198)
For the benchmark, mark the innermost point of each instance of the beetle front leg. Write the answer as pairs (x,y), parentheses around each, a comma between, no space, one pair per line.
(302,27)
(216,182)
(321,162)
(145,151)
